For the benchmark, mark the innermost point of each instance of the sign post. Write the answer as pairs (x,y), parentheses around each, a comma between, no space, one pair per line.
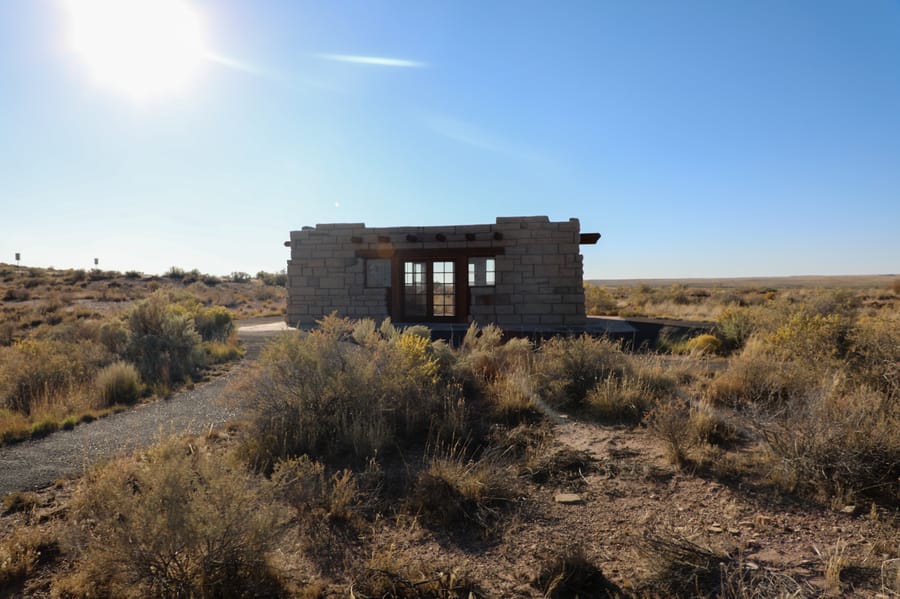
(18,257)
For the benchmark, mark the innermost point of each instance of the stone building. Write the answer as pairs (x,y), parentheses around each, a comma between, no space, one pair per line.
(517,272)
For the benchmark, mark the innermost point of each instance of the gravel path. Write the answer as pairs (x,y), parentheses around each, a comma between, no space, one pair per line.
(37,464)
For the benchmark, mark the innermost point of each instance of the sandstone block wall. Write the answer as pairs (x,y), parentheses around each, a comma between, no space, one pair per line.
(538,269)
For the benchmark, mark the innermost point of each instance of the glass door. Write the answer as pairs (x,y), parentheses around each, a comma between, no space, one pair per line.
(443,296)
(430,290)
(415,290)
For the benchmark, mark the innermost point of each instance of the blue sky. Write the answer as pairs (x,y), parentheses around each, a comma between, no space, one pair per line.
(701,138)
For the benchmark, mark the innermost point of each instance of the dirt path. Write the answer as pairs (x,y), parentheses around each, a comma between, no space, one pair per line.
(36,464)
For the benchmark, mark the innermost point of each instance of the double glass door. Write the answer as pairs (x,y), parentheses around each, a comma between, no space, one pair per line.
(430,290)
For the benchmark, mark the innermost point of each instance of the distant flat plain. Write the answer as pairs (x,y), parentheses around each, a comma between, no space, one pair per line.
(813,281)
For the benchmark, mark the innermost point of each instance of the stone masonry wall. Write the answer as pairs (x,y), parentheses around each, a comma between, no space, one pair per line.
(538,278)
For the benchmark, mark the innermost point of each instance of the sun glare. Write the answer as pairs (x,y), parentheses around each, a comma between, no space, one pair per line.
(143,48)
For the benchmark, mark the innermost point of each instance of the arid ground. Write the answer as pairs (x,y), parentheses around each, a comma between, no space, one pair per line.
(359,460)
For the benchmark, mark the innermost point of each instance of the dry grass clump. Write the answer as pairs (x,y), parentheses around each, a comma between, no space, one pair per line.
(512,396)
(173,522)
(569,573)
(386,574)
(118,383)
(219,352)
(562,465)
(682,568)
(454,492)
(21,553)
(14,426)
(18,501)
(620,400)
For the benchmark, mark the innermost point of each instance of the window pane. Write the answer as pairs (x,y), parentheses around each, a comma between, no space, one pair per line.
(415,290)
(481,272)
(444,301)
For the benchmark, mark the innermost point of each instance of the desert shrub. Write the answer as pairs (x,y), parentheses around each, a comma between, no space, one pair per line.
(163,343)
(321,394)
(16,295)
(133,274)
(598,300)
(76,276)
(7,333)
(670,422)
(70,332)
(330,508)
(192,276)
(838,443)
(874,355)
(114,336)
(240,277)
(215,323)
(842,302)
(177,522)
(175,273)
(34,370)
(569,573)
(275,279)
(758,376)
(810,337)
(569,367)
(704,344)
(264,293)
(483,356)
(97,274)
(118,383)
(734,327)
(303,484)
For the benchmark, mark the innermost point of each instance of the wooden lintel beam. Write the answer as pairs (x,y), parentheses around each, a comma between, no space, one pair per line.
(435,253)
